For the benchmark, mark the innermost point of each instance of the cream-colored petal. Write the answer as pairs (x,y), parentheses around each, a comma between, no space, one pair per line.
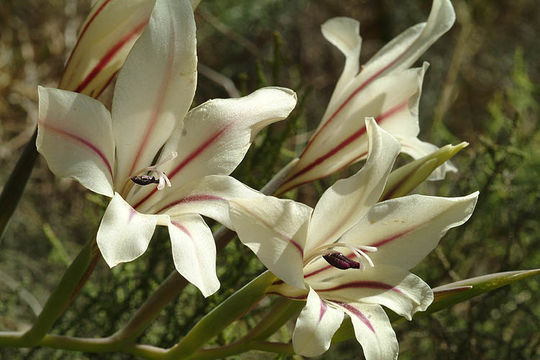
(208,196)
(275,230)
(155,86)
(75,137)
(405,230)
(373,331)
(105,39)
(315,326)
(345,202)
(194,252)
(124,234)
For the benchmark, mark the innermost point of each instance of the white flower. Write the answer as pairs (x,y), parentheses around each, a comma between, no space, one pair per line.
(350,254)
(385,88)
(149,137)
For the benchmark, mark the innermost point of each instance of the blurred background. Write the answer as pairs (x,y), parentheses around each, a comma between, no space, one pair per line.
(482,87)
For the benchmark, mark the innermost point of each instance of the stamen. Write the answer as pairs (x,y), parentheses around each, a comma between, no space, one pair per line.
(340,261)
(144,180)
(162,179)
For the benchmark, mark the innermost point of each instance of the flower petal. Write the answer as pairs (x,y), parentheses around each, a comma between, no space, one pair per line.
(217,134)
(372,330)
(208,196)
(315,326)
(345,202)
(75,137)
(105,39)
(275,230)
(393,102)
(394,287)
(406,48)
(344,33)
(194,252)
(124,234)
(406,229)
(155,86)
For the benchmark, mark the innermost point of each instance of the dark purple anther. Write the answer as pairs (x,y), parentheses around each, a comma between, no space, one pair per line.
(340,261)
(144,180)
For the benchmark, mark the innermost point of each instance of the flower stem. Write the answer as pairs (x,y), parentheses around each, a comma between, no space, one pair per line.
(13,190)
(70,284)
(221,316)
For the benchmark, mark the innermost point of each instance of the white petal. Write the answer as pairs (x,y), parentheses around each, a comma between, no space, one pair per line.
(394,287)
(418,149)
(406,48)
(373,331)
(106,37)
(406,229)
(275,230)
(208,196)
(217,134)
(344,33)
(392,100)
(75,137)
(155,86)
(194,252)
(124,234)
(345,202)
(315,326)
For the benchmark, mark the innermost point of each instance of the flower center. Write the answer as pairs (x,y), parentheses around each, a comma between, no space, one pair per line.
(340,261)
(150,175)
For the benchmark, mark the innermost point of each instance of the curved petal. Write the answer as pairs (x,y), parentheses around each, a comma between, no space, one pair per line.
(124,234)
(217,134)
(194,252)
(155,86)
(75,137)
(349,199)
(392,100)
(406,229)
(418,149)
(372,330)
(394,287)
(406,48)
(343,33)
(275,230)
(208,196)
(315,326)
(105,39)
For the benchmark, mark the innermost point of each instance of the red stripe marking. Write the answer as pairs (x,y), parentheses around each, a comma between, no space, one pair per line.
(351,96)
(187,160)
(81,140)
(86,26)
(109,56)
(359,315)
(363,284)
(192,198)
(160,100)
(323,309)
(182,228)
(349,140)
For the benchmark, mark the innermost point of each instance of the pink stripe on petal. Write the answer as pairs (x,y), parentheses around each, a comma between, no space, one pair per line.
(182,228)
(323,309)
(359,315)
(363,284)
(109,56)
(82,141)
(161,97)
(187,160)
(392,238)
(193,198)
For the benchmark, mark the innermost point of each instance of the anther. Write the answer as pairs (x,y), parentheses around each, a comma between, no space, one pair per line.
(144,180)
(340,261)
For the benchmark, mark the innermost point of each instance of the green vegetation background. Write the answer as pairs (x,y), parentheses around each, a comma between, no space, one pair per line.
(482,87)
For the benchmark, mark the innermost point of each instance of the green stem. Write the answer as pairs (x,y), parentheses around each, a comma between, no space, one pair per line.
(221,316)
(13,190)
(70,284)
